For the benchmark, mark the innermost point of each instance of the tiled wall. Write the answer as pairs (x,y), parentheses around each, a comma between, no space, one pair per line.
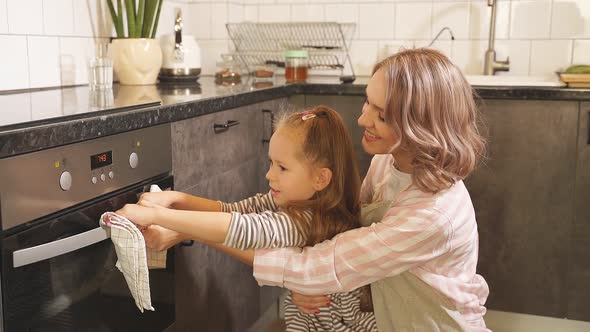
(46,42)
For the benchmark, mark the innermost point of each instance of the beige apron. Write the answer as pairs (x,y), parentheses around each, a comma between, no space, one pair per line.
(404,302)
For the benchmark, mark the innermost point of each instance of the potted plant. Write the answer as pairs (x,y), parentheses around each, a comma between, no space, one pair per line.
(137,57)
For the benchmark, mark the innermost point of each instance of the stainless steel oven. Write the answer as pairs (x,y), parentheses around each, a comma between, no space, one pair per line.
(58,266)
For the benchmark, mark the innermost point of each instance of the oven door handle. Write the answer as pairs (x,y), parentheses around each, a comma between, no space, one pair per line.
(55,248)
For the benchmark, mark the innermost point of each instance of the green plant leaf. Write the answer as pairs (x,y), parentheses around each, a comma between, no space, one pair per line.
(120,17)
(139,18)
(157,20)
(150,12)
(115,18)
(130,10)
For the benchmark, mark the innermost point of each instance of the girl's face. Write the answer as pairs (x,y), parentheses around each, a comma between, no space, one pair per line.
(379,137)
(289,177)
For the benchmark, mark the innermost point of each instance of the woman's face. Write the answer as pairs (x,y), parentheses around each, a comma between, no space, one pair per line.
(379,137)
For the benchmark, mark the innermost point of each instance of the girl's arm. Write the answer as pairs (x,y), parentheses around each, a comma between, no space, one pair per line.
(199,225)
(246,231)
(179,200)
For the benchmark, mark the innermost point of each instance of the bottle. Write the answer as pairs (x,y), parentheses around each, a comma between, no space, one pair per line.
(295,65)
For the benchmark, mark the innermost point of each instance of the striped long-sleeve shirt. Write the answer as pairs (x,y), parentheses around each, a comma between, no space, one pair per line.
(433,236)
(257,222)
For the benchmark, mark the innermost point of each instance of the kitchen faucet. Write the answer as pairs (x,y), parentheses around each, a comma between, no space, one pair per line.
(491,65)
(439,33)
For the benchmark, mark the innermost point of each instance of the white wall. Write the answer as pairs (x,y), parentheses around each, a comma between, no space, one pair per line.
(47,42)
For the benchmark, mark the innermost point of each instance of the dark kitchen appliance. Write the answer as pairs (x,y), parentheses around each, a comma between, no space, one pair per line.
(58,266)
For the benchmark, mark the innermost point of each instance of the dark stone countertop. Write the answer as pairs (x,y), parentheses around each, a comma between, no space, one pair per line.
(40,119)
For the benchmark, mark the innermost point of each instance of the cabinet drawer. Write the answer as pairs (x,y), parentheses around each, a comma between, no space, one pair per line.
(200,152)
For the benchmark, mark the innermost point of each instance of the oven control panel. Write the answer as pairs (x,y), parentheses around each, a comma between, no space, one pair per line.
(39,183)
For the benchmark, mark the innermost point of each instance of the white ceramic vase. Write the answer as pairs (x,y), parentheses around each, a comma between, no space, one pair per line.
(136,61)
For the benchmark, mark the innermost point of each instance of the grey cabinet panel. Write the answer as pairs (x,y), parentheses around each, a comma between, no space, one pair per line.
(213,291)
(523,198)
(200,153)
(579,242)
(349,107)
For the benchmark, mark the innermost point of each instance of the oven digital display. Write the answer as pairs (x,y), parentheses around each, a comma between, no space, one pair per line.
(101,160)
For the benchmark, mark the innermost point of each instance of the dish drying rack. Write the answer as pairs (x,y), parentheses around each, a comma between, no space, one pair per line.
(327,43)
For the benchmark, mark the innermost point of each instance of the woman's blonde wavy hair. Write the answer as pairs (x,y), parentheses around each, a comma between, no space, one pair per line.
(431,107)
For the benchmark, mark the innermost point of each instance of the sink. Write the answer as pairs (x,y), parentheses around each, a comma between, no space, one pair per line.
(506,80)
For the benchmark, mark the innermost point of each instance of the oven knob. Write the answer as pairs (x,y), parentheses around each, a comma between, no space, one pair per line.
(65,181)
(111,174)
(94,180)
(103,177)
(133,160)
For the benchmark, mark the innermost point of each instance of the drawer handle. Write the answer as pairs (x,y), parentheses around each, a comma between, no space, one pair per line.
(223,127)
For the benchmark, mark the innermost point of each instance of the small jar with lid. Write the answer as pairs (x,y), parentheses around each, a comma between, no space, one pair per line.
(295,65)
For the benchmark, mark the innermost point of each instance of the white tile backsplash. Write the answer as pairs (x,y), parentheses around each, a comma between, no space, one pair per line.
(25,17)
(413,20)
(274,13)
(14,65)
(198,21)
(468,55)
(44,64)
(364,55)
(539,36)
(530,19)
(519,52)
(58,17)
(307,13)
(581,52)
(549,56)
(571,19)
(219,16)
(376,21)
(74,53)
(3,17)
(454,15)
(251,13)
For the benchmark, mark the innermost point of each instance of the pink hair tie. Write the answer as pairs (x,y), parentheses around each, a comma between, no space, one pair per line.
(307,115)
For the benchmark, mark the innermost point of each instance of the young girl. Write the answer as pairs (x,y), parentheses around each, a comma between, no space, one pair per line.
(314,196)
(419,250)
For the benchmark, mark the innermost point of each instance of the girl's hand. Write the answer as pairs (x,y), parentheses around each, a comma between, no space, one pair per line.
(308,304)
(160,238)
(139,215)
(165,199)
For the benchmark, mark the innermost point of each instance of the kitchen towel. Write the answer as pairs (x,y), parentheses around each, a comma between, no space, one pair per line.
(131,254)
(156,259)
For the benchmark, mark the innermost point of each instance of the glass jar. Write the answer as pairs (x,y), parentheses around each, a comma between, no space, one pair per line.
(229,71)
(295,65)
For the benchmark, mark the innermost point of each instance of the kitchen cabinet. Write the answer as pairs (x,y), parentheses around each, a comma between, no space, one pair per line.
(213,291)
(578,282)
(523,196)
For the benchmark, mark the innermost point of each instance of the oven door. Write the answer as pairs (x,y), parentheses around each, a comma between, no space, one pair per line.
(59,274)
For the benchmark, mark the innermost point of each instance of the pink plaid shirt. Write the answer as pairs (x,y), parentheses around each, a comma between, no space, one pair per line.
(433,236)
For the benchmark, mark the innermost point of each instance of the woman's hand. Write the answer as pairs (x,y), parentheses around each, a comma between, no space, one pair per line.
(308,304)
(165,199)
(139,215)
(160,238)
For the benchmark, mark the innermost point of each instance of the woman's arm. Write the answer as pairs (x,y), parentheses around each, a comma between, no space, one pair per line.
(407,237)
